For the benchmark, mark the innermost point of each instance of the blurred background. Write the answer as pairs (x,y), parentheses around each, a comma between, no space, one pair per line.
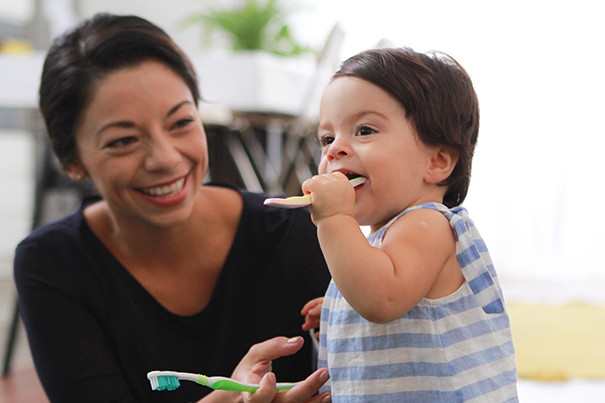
(537,67)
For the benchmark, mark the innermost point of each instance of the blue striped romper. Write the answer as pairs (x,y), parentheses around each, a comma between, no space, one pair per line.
(454,349)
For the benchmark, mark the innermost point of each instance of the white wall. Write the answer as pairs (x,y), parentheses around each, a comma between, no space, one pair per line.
(17,193)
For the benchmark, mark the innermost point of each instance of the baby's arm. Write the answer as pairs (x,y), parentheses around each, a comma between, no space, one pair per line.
(383,284)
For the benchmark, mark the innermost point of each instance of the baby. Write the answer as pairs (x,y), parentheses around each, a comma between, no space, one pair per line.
(415,312)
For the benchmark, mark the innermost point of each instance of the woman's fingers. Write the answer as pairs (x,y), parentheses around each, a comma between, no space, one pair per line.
(261,355)
(257,362)
(265,393)
(304,391)
(255,367)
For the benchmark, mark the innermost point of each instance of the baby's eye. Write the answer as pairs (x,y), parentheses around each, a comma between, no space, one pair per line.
(326,140)
(365,130)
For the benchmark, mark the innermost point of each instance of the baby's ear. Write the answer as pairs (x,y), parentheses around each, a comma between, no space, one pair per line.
(442,163)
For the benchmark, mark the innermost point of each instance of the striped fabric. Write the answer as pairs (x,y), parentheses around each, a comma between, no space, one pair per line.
(454,349)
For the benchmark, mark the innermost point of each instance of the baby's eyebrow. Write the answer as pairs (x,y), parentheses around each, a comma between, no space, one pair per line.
(323,126)
(354,117)
(363,114)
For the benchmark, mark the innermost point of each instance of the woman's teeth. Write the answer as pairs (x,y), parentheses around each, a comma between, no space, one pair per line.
(163,191)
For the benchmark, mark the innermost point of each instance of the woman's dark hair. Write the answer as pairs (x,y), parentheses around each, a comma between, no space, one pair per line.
(78,59)
(438,97)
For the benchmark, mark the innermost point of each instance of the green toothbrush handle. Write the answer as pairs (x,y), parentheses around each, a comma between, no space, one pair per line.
(234,386)
(285,386)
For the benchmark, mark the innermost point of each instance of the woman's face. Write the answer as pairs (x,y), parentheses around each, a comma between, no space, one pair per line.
(142,143)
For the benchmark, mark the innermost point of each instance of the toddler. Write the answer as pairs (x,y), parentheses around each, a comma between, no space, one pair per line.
(415,312)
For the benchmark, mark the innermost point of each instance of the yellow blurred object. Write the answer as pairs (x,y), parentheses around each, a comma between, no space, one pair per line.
(16,46)
(557,343)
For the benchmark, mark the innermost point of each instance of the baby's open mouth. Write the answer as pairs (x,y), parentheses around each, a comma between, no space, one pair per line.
(352,175)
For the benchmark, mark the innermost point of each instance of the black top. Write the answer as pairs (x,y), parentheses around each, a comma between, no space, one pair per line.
(95,332)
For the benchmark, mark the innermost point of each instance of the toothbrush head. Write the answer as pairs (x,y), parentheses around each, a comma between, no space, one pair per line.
(359,180)
(163,382)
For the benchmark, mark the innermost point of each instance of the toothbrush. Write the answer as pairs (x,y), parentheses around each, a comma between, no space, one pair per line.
(303,201)
(169,380)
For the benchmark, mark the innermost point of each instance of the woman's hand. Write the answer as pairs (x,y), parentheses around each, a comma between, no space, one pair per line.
(312,313)
(255,367)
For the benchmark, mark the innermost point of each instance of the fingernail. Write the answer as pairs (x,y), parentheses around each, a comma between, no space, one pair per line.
(293,340)
(271,377)
(324,376)
(327,399)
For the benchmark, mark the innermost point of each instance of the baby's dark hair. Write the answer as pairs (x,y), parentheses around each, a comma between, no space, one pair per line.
(438,97)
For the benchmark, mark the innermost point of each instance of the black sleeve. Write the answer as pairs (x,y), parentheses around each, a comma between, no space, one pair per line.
(72,354)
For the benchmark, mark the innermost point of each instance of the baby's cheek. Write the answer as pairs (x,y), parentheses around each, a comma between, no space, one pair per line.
(322,168)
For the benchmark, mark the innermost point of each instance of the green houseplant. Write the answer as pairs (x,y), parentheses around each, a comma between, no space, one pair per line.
(254,25)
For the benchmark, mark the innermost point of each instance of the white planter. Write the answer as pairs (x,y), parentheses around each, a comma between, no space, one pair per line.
(254,81)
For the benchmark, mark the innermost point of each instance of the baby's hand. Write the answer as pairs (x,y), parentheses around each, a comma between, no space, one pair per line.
(312,313)
(331,194)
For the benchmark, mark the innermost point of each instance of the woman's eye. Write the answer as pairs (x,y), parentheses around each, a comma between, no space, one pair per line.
(182,123)
(326,140)
(365,130)
(122,142)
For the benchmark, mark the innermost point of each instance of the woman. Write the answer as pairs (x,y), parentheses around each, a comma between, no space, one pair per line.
(161,272)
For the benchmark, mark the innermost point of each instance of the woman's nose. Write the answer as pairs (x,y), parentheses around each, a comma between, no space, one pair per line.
(339,148)
(162,155)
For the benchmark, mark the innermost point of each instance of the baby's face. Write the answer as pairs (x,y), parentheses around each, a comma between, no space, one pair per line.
(363,131)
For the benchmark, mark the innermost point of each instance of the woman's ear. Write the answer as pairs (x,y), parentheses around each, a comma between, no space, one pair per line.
(75,171)
(442,163)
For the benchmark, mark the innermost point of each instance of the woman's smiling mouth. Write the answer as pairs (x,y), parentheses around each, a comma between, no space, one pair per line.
(165,190)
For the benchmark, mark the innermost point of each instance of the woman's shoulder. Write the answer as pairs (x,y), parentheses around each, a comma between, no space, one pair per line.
(56,231)
(65,235)
(56,254)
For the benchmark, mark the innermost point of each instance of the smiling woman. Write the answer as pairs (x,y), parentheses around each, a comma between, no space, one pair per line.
(161,271)
(143,146)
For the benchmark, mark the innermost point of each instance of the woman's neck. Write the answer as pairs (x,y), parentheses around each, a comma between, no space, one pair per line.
(215,212)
